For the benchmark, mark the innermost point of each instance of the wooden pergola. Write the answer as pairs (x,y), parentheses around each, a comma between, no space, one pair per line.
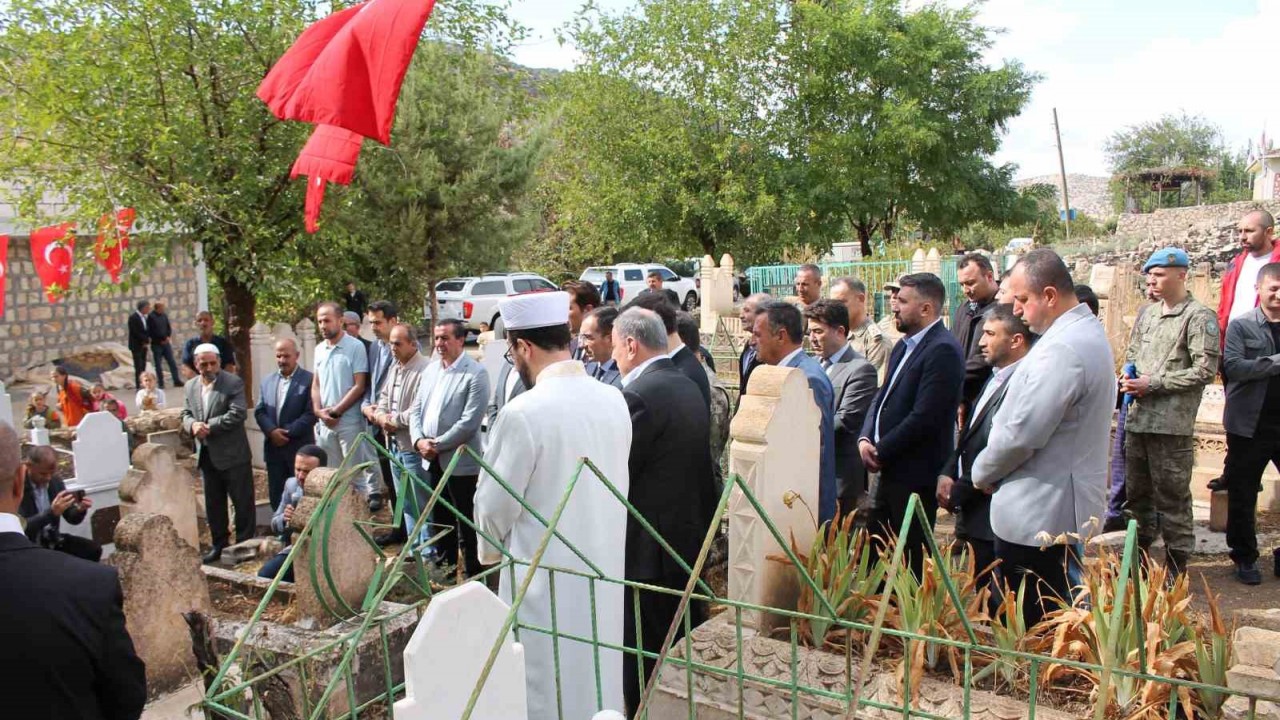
(1162,179)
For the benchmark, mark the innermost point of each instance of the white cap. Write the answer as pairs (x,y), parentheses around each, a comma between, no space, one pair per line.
(535,310)
(206,348)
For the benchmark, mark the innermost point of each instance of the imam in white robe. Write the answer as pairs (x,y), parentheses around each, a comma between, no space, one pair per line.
(535,446)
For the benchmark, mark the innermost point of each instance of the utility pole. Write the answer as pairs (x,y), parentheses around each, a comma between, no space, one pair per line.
(1062,174)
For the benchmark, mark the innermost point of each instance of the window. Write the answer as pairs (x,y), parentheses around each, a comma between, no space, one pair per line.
(630,275)
(522,286)
(489,287)
(540,284)
(667,275)
(451,286)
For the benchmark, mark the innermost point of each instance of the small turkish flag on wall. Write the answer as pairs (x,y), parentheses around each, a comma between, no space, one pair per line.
(52,251)
(113,240)
(4,269)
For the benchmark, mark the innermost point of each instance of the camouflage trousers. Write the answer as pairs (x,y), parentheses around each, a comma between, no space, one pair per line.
(1158,489)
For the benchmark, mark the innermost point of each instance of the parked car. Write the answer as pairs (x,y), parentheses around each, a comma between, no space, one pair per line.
(1019,245)
(631,278)
(474,300)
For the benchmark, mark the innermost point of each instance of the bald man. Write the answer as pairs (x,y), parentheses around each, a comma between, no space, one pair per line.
(66,650)
(285,415)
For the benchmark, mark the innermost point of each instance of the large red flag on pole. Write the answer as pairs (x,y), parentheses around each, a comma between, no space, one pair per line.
(52,251)
(113,240)
(4,269)
(346,69)
(329,156)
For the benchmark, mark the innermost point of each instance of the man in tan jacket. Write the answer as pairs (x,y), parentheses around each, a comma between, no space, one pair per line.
(391,413)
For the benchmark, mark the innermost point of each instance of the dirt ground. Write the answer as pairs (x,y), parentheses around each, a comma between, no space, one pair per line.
(1233,595)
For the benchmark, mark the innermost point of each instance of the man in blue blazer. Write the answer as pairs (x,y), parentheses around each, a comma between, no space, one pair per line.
(285,416)
(910,428)
(779,336)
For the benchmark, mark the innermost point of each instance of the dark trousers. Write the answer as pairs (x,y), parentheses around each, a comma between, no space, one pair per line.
(886,518)
(279,470)
(1044,571)
(271,568)
(139,363)
(657,610)
(461,493)
(1247,458)
(1116,493)
(164,351)
(236,483)
(384,464)
(82,548)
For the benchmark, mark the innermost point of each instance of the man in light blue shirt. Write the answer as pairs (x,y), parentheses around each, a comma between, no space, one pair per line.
(341,376)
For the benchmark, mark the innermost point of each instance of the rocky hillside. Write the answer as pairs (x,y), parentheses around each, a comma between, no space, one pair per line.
(1089,193)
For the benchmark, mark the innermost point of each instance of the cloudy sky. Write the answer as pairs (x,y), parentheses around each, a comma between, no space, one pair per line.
(1106,64)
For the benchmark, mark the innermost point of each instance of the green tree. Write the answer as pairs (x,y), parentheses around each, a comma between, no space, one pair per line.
(1175,143)
(894,114)
(451,195)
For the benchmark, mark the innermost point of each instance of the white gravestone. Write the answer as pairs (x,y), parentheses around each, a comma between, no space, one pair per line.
(101,451)
(6,407)
(492,362)
(448,650)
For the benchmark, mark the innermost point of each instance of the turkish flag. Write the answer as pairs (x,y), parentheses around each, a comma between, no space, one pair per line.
(346,69)
(52,251)
(113,240)
(4,268)
(329,156)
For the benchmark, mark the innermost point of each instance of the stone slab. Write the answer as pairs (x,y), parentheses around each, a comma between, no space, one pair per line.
(346,555)
(1268,619)
(1257,647)
(1218,511)
(448,651)
(1256,681)
(101,449)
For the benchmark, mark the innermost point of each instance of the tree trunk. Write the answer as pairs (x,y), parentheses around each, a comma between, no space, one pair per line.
(864,238)
(241,309)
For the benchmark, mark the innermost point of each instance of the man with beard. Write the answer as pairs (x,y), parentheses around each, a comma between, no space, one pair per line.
(910,429)
(1258,247)
(341,375)
(978,282)
(597,340)
(285,416)
(536,447)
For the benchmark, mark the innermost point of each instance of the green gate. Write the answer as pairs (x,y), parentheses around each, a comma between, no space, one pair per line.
(780,280)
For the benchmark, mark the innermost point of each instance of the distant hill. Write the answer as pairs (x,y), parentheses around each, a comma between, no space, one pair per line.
(1089,193)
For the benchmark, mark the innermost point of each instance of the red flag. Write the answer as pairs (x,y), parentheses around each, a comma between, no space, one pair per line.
(113,240)
(4,268)
(329,156)
(346,69)
(52,251)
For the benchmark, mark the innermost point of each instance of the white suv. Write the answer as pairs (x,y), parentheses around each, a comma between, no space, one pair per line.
(631,278)
(474,300)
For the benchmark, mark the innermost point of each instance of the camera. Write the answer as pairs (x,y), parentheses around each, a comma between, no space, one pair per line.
(50,538)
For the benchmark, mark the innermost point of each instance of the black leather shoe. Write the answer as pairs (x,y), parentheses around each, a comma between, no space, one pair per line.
(1248,573)
(213,556)
(1115,524)
(375,503)
(392,538)
(1217,484)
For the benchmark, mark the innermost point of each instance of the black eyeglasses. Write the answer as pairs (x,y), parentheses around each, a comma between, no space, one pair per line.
(507,356)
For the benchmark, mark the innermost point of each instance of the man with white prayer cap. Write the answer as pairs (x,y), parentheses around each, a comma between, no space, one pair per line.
(535,446)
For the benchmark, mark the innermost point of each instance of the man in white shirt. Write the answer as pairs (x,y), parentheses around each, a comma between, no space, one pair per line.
(1239,283)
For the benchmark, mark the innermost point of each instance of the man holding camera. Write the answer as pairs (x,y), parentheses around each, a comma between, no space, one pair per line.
(46,502)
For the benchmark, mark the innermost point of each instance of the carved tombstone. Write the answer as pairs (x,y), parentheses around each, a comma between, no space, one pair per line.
(101,451)
(716,291)
(161,578)
(775,448)
(6,407)
(307,343)
(344,554)
(158,484)
(447,653)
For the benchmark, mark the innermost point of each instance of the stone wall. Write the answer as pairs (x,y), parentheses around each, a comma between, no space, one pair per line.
(35,331)
(1176,226)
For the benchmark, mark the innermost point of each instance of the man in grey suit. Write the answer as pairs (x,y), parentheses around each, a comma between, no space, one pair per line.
(1252,417)
(392,415)
(779,335)
(853,379)
(445,417)
(1046,456)
(214,413)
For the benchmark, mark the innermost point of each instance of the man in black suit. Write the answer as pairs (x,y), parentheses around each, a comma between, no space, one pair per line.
(749,360)
(910,429)
(161,332)
(285,416)
(46,502)
(1005,340)
(684,359)
(853,383)
(671,486)
(66,651)
(978,281)
(139,340)
(214,414)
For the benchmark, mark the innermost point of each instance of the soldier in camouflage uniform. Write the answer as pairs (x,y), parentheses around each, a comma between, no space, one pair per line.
(1175,350)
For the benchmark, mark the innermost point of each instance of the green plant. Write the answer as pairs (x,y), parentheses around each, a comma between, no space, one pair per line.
(1008,633)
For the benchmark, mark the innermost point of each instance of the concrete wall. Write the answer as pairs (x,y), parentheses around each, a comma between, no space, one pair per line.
(35,332)
(1172,224)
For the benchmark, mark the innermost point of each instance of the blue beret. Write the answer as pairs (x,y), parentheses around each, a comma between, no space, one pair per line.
(1167,257)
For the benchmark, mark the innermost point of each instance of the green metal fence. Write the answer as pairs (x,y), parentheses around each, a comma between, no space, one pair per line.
(239,687)
(779,280)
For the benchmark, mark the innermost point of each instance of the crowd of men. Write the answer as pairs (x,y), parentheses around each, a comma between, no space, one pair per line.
(1003,419)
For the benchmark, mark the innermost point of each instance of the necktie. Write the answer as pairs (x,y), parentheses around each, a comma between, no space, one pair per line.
(826,364)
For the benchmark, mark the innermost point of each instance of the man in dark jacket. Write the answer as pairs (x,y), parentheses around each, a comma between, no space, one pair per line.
(1005,341)
(978,281)
(139,340)
(46,502)
(285,416)
(161,332)
(910,428)
(671,481)
(66,651)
